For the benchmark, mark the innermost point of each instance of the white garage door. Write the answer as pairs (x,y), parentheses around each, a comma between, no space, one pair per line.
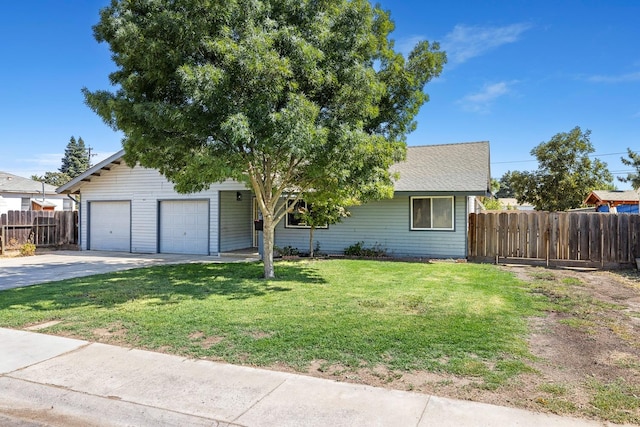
(110,226)
(184,227)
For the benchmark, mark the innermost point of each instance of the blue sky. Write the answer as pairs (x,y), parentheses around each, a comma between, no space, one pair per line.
(518,73)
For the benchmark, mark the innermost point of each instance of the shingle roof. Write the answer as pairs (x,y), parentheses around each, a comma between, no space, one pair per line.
(604,196)
(462,167)
(10,183)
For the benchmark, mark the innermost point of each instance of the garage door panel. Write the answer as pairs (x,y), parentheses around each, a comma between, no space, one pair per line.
(184,226)
(110,226)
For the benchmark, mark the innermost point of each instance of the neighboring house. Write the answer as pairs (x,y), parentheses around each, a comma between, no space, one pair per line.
(137,210)
(606,201)
(22,194)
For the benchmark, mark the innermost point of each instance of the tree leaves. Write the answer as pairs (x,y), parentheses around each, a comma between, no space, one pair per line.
(565,175)
(280,94)
(633,161)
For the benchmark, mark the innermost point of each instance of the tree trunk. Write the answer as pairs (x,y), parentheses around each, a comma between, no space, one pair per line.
(267,246)
(311,242)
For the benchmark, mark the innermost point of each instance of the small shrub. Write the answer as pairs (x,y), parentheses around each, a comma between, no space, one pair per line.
(354,250)
(286,251)
(358,249)
(28,249)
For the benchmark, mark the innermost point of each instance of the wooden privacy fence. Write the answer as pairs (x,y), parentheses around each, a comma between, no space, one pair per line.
(44,228)
(555,238)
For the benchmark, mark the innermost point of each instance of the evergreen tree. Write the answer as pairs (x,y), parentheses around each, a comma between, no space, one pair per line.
(76,158)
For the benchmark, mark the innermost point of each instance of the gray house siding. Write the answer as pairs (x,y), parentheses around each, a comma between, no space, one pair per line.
(459,170)
(124,183)
(386,223)
(235,221)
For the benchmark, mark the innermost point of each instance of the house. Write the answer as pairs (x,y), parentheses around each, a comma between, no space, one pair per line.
(22,194)
(511,203)
(135,209)
(604,200)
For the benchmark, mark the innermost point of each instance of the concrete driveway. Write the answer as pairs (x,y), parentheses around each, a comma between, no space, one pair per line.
(25,271)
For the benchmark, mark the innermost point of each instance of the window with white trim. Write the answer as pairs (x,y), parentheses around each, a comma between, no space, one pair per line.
(67,204)
(432,213)
(25,204)
(293,220)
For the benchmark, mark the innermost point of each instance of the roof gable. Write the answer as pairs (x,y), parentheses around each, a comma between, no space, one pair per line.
(73,186)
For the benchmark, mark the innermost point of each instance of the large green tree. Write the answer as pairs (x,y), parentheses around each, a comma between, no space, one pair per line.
(286,96)
(566,174)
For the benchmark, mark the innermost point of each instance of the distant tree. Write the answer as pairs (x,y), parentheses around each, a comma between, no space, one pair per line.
(633,160)
(53,178)
(285,96)
(74,162)
(76,158)
(494,186)
(492,204)
(505,190)
(565,175)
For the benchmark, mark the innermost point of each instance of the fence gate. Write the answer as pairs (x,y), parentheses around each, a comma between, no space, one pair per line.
(555,238)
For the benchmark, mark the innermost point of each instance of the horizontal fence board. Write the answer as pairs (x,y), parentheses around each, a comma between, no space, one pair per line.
(555,238)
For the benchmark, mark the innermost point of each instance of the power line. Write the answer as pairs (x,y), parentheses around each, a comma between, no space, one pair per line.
(533,160)
(514,161)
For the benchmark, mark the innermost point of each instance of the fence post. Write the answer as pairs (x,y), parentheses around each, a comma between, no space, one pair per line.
(496,232)
(547,233)
(602,248)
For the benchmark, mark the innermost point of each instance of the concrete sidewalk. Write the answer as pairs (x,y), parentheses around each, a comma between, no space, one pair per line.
(54,381)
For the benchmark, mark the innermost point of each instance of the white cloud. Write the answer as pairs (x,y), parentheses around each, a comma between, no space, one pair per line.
(49,161)
(621,78)
(466,42)
(480,102)
(38,164)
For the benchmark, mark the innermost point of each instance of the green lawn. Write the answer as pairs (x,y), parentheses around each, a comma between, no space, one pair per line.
(461,318)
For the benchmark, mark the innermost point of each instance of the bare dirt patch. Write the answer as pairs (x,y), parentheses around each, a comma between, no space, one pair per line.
(586,352)
(205,342)
(112,334)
